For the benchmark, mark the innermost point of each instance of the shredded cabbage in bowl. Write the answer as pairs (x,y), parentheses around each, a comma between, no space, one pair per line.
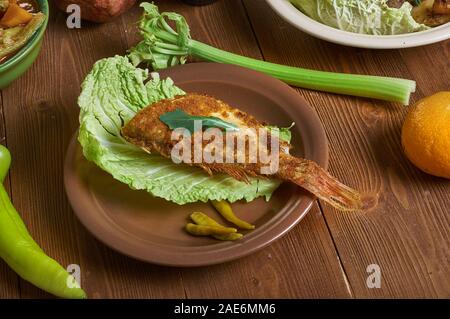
(373,17)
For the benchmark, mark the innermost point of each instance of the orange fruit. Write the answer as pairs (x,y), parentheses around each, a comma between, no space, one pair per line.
(426,134)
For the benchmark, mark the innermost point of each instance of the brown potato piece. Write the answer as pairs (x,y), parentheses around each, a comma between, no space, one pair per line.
(98,10)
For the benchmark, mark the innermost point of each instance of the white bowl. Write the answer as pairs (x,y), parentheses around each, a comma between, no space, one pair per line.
(295,17)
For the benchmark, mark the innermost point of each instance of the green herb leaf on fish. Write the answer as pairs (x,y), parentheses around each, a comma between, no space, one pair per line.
(284,133)
(180,119)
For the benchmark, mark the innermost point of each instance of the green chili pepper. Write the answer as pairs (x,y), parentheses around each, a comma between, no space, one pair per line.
(224,208)
(204,220)
(22,253)
(229,237)
(200,230)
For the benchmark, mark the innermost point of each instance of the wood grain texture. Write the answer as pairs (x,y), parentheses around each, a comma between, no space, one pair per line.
(407,234)
(326,255)
(9,281)
(303,264)
(41,117)
(40,125)
(225,25)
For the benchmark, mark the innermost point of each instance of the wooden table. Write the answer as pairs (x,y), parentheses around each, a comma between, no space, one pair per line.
(327,254)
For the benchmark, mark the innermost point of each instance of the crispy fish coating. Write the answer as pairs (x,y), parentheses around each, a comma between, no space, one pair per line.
(148,132)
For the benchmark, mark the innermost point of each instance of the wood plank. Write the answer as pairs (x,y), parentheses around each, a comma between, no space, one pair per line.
(9,281)
(43,121)
(303,264)
(297,266)
(41,117)
(407,234)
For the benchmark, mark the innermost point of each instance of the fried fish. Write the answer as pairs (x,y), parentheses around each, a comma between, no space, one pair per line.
(148,132)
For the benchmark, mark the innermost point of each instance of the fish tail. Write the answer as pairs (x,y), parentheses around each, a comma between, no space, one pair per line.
(319,182)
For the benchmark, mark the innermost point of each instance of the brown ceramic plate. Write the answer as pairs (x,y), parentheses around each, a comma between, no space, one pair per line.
(151,229)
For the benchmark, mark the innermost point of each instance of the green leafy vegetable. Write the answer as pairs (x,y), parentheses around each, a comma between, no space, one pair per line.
(361,16)
(179,118)
(284,133)
(111,95)
(163,46)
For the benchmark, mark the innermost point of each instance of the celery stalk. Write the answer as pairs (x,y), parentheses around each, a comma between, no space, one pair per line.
(163,47)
